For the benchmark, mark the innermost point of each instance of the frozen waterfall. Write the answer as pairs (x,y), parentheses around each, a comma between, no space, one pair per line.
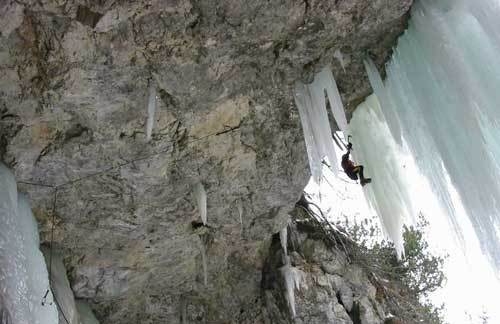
(23,273)
(441,99)
(311,102)
(388,194)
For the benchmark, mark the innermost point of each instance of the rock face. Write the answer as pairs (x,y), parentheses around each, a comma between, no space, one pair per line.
(333,288)
(73,105)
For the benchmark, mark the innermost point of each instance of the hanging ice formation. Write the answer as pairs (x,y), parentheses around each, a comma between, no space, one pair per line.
(284,238)
(23,273)
(311,103)
(440,99)
(151,110)
(293,279)
(201,199)
(240,213)
(291,275)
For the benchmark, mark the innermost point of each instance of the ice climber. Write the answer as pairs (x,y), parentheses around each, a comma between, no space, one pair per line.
(353,171)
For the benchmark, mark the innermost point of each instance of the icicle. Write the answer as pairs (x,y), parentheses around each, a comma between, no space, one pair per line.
(325,80)
(305,107)
(388,112)
(201,200)
(293,278)
(203,260)
(284,237)
(311,103)
(23,275)
(338,55)
(151,111)
(240,213)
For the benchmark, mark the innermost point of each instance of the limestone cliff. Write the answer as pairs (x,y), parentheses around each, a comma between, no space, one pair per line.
(333,287)
(73,105)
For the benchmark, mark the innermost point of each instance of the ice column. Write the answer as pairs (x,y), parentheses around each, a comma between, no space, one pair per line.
(23,273)
(311,103)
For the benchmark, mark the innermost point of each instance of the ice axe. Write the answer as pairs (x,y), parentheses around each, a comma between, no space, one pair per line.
(339,140)
(349,144)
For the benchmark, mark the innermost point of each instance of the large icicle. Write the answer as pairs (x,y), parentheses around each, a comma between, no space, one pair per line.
(284,237)
(313,146)
(23,273)
(388,110)
(201,200)
(311,103)
(293,278)
(151,111)
(326,82)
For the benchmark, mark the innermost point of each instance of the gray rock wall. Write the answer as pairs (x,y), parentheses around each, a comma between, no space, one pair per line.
(73,97)
(332,289)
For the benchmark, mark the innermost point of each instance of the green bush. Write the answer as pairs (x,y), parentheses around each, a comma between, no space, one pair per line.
(408,280)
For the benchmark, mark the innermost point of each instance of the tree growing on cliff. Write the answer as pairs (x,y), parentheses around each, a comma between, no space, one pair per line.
(407,282)
(422,270)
